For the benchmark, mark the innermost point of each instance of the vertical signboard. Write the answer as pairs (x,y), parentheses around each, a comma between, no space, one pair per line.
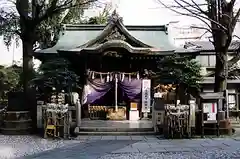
(211,110)
(146,95)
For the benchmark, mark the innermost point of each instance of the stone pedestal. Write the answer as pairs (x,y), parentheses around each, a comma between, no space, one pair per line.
(133,115)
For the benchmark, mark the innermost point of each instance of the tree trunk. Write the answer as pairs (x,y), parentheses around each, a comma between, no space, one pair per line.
(220,72)
(220,82)
(27,70)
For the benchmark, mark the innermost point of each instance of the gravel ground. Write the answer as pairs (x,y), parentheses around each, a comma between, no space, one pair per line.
(118,147)
(176,155)
(17,146)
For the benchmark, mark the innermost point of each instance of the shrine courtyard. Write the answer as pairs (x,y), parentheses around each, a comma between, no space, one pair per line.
(118,147)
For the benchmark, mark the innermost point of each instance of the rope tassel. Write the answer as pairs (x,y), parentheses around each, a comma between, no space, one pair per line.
(138,76)
(123,76)
(111,77)
(108,78)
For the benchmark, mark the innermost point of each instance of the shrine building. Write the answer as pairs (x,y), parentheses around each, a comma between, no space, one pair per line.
(114,62)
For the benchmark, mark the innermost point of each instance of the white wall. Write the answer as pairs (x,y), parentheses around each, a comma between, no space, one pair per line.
(180,33)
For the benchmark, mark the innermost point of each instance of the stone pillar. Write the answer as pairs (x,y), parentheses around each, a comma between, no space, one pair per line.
(192,104)
(78,113)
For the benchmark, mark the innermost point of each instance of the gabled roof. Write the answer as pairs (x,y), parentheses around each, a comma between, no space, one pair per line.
(115,26)
(76,38)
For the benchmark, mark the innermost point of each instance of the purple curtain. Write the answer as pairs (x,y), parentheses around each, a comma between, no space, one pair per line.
(131,88)
(95,89)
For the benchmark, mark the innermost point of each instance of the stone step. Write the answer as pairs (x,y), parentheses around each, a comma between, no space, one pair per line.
(21,124)
(116,133)
(112,129)
(15,131)
(235,123)
(16,123)
(17,115)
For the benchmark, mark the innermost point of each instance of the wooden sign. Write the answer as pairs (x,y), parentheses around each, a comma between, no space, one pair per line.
(133,106)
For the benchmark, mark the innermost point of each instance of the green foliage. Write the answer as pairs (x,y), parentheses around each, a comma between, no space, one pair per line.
(9,79)
(9,27)
(179,70)
(58,74)
(49,30)
(46,19)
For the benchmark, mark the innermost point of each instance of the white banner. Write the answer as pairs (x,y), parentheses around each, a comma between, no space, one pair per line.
(211,110)
(146,95)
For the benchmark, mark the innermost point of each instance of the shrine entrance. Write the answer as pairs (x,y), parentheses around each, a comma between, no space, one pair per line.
(109,95)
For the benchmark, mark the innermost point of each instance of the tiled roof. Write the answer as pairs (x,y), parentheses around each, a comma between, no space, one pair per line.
(208,46)
(85,36)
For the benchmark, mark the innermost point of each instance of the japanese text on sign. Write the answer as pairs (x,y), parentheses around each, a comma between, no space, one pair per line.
(146,95)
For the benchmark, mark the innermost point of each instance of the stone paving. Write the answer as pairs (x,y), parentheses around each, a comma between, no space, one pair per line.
(118,147)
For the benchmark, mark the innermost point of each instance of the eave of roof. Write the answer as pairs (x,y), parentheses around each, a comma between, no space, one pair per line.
(117,44)
(128,27)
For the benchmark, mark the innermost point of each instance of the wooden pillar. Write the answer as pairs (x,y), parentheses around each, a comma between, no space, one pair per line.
(237,104)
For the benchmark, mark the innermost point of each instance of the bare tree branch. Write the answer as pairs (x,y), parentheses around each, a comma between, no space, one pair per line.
(235,19)
(220,19)
(184,14)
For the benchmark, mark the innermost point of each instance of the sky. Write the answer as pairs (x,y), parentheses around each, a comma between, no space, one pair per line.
(134,12)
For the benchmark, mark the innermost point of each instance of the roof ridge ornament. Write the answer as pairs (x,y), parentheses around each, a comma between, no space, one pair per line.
(115,17)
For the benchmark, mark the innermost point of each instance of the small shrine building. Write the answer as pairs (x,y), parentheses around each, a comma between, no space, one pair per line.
(115,61)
